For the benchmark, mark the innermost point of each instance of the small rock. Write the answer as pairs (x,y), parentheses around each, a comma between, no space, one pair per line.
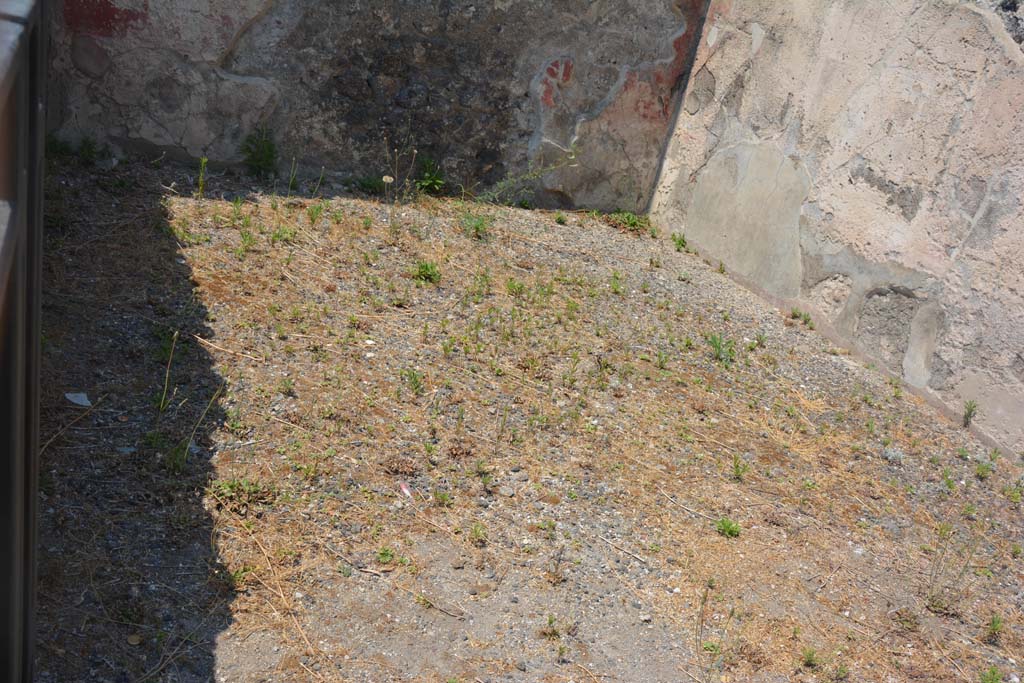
(646,618)
(79,399)
(521,665)
(506,491)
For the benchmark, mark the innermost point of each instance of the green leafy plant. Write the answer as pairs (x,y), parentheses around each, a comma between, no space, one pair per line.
(679,241)
(991,675)
(431,178)
(88,151)
(414,380)
(994,629)
(515,287)
(722,350)
(983,470)
(57,147)
(201,189)
(260,153)
(241,493)
(371,185)
(314,212)
(551,631)
(616,283)
(247,244)
(802,316)
(476,226)
(505,191)
(727,527)
(283,233)
(427,271)
(970,412)
(478,534)
(286,387)
(630,222)
(739,467)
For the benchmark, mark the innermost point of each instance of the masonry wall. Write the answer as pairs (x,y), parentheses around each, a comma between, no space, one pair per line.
(866,161)
(487,89)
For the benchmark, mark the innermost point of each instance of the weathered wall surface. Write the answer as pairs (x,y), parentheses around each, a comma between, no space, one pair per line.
(866,160)
(484,88)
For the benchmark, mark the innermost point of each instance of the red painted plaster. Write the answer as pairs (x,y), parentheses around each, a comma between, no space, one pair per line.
(102,17)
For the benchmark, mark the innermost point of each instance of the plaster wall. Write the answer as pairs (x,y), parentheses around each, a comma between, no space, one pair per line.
(866,161)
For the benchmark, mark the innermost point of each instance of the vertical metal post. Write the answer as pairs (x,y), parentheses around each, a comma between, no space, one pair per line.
(22,74)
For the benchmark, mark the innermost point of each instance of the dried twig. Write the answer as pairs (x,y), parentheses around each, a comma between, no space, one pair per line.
(621,549)
(69,424)
(680,505)
(209,343)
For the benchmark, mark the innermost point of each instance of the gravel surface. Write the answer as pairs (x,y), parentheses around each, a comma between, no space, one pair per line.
(342,439)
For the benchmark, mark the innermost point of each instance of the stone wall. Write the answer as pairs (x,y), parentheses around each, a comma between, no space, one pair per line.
(486,89)
(866,161)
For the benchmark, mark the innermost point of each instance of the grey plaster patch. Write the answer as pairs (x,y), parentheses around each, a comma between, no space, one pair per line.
(906,197)
(970,193)
(989,221)
(732,100)
(924,335)
(701,92)
(746,210)
(1018,366)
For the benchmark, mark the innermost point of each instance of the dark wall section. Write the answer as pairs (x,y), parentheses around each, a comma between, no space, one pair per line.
(485,90)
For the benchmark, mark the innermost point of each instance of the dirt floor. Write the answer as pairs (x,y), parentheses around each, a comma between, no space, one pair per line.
(344,439)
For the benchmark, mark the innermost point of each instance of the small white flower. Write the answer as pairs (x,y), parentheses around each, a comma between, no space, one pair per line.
(388,180)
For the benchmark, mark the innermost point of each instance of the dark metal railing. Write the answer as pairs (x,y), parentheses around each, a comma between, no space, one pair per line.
(22,74)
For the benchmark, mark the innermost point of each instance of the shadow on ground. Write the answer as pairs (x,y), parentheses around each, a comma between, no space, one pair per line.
(130,584)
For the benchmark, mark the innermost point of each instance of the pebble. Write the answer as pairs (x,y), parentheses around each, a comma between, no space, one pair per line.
(506,491)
